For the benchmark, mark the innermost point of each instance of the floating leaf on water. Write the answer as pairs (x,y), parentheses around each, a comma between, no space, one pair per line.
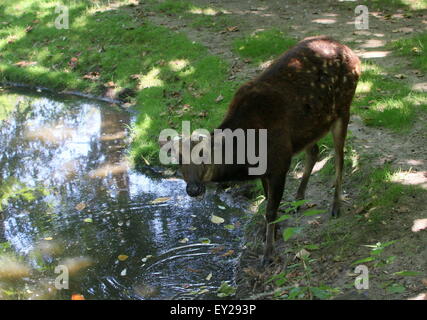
(203,291)
(192,228)
(184,240)
(229,227)
(122,257)
(217,220)
(81,206)
(209,277)
(77,296)
(205,240)
(228,253)
(124,272)
(48,238)
(146,258)
(160,200)
(88,220)
(221,207)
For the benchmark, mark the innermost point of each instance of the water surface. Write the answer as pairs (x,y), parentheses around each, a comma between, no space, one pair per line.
(70,198)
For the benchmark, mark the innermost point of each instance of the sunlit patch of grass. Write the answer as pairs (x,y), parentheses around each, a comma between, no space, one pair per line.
(263,45)
(416,48)
(385,101)
(175,78)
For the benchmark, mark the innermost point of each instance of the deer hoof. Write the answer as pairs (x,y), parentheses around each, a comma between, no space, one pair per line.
(266,261)
(335,213)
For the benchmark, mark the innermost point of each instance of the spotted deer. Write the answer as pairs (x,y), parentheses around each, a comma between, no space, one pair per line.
(305,93)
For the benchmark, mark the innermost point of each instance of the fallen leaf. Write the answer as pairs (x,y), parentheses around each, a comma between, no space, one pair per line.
(232,29)
(123,273)
(28,29)
(146,258)
(91,76)
(77,296)
(88,220)
(80,206)
(217,220)
(122,257)
(302,254)
(48,238)
(228,253)
(219,98)
(209,277)
(184,240)
(160,200)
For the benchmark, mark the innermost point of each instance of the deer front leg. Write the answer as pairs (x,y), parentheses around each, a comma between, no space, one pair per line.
(276,186)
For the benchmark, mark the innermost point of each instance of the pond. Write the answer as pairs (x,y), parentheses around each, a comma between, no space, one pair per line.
(70,198)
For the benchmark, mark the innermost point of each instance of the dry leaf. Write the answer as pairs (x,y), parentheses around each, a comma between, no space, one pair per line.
(160,200)
(185,240)
(219,98)
(302,254)
(77,296)
(81,206)
(232,29)
(228,253)
(217,220)
(122,257)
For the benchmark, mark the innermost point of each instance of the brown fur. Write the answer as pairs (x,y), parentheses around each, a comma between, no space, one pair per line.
(303,95)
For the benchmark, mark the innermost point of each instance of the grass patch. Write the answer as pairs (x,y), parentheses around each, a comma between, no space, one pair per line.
(381,100)
(416,48)
(175,78)
(198,16)
(381,193)
(263,45)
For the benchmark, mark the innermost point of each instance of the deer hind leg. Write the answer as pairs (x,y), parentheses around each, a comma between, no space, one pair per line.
(339,132)
(311,157)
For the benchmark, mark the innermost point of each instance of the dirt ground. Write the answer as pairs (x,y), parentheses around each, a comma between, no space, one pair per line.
(405,151)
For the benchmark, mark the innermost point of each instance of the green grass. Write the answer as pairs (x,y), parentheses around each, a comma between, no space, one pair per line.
(384,101)
(176,78)
(415,48)
(263,45)
(197,16)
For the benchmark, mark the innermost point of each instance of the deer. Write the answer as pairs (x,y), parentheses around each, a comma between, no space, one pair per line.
(302,96)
